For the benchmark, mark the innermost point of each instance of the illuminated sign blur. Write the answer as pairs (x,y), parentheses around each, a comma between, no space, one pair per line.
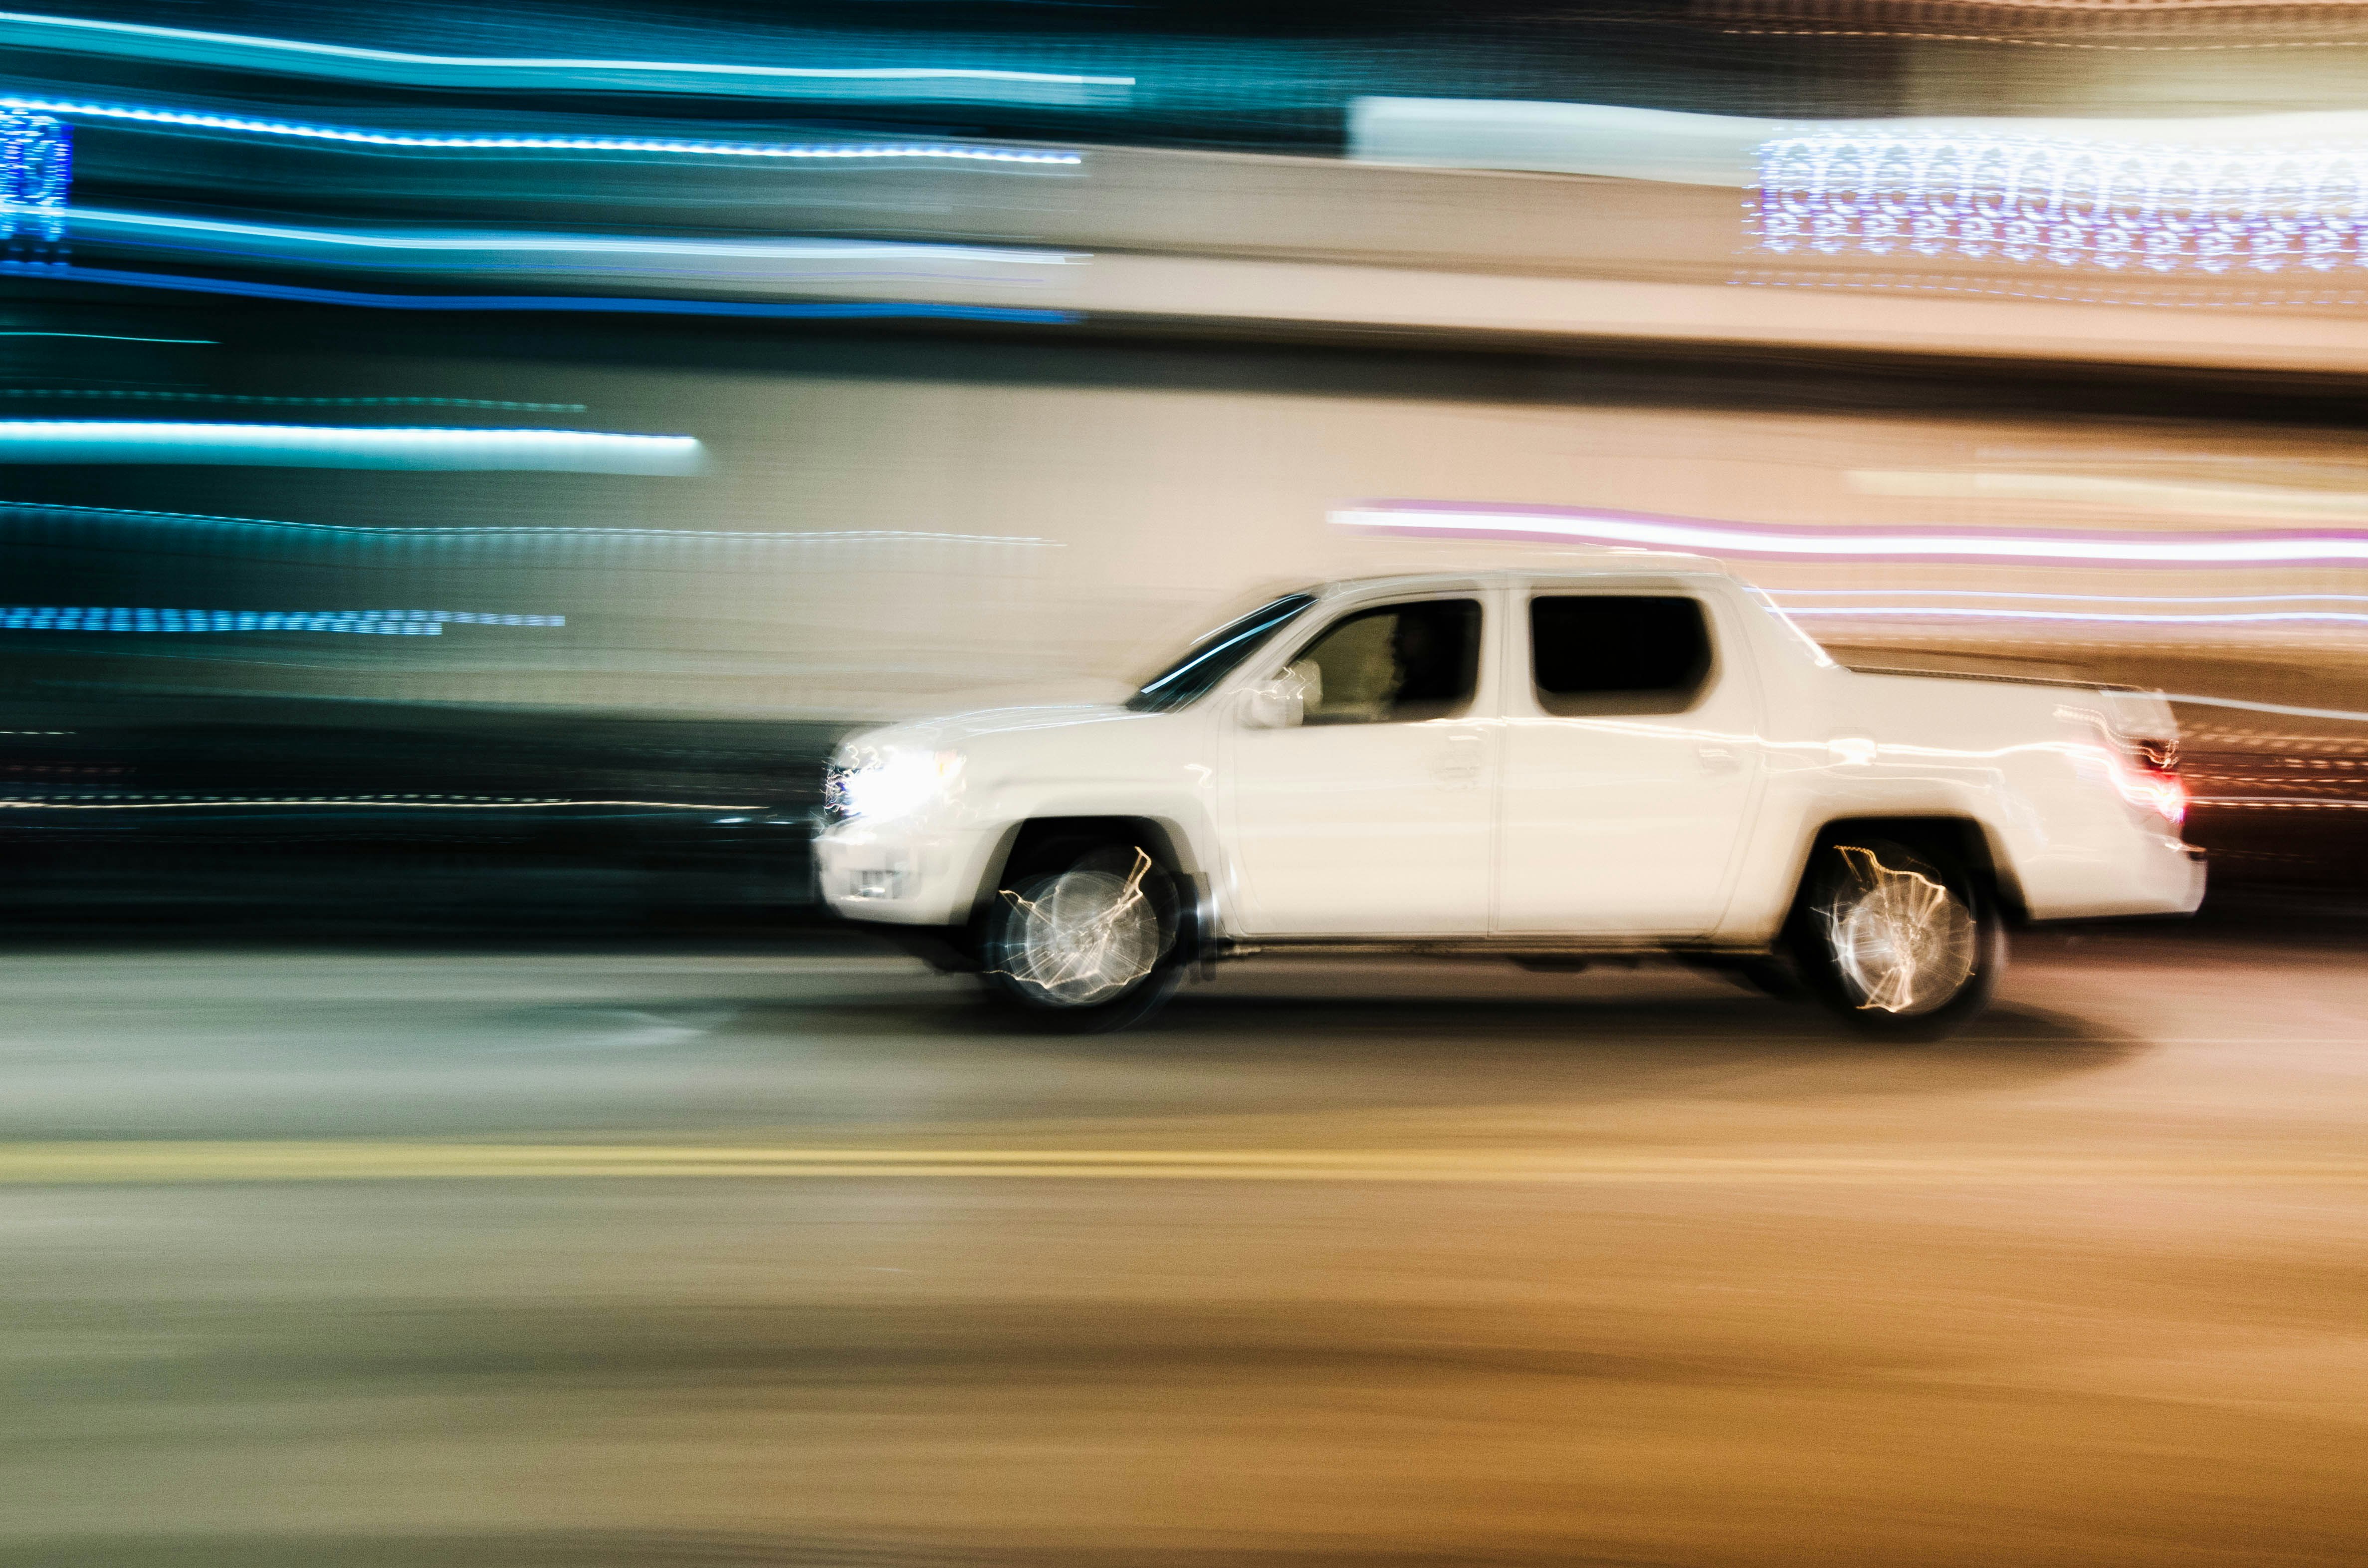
(2117,206)
(35,166)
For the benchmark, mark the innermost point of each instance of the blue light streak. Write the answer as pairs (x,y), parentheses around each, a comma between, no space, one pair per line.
(196,119)
(240,52)
(366,622)
(785,310)
(330,445)
(534,531)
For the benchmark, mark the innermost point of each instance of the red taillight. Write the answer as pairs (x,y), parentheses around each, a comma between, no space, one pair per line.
(2148,779)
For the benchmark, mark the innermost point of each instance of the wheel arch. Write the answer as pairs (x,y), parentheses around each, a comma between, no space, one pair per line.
(1169,842)
(1965,838)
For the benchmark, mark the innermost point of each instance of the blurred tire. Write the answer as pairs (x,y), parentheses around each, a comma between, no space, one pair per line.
(1902,942)
(1084,938)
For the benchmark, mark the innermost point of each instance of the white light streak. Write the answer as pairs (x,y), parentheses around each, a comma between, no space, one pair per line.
(244,52)
(2070,598)
(322,446)
(1947,612)
(96,221)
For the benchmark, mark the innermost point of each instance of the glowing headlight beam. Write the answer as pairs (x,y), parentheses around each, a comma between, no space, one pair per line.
(754,309)
(240,52)
(1571,526)
(319,446)
(880,787)
(866,152)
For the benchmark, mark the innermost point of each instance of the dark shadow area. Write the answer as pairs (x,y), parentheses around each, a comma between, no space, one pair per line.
(1223,1055)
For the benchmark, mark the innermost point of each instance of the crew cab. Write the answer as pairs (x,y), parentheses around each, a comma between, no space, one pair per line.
(1533,767)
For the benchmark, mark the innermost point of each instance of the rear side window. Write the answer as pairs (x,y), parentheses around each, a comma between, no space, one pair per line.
(1395,664)
(1618,653)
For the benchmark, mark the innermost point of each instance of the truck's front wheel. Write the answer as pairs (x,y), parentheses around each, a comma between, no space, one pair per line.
(1085,938)
(1903,943)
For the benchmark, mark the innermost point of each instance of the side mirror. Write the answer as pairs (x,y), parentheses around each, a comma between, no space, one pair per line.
(1280,704)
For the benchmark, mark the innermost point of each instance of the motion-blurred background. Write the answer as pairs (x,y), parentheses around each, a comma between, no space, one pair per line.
(463,467)
(464,464)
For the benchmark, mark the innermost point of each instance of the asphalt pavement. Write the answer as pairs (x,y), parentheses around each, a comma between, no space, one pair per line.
(670,1256)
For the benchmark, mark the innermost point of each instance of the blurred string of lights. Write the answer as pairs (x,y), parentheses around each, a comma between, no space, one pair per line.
(1643,531)
(36,169)
(298,57)
(2117,206)
(136,395)
(346,446)
(756,310)
(140,619)
(865,152)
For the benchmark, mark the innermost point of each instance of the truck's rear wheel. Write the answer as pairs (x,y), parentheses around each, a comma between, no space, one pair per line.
(1904,943)
(1084,938)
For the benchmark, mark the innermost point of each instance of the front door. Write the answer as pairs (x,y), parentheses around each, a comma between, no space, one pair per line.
(1630,755)
(1372,816)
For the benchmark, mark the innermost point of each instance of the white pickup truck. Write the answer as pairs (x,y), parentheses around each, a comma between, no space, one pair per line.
(1539,767)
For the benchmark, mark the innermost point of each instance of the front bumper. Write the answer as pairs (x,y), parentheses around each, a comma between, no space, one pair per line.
(899,875)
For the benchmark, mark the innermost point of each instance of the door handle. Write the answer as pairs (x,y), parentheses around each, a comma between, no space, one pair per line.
(1718,759)
(1461,759)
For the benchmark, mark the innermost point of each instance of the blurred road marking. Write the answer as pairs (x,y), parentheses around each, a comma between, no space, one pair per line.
(360,1160)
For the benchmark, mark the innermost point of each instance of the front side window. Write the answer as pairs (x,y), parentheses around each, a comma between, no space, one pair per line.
(1395,663)
(1215,656)
(1618,653)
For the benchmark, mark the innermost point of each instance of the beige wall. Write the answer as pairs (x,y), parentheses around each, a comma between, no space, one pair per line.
(1157,508)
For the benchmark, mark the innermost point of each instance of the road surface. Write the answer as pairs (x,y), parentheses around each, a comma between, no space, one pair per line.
(623,1258)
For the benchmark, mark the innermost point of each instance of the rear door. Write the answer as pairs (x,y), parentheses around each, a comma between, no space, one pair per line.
(1631,758)
(1372,817)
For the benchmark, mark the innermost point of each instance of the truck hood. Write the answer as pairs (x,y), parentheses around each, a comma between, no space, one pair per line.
(956,729)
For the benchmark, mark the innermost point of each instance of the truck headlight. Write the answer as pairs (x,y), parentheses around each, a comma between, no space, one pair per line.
(882,786)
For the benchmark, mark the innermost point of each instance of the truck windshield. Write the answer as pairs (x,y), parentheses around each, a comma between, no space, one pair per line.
(1215,656)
